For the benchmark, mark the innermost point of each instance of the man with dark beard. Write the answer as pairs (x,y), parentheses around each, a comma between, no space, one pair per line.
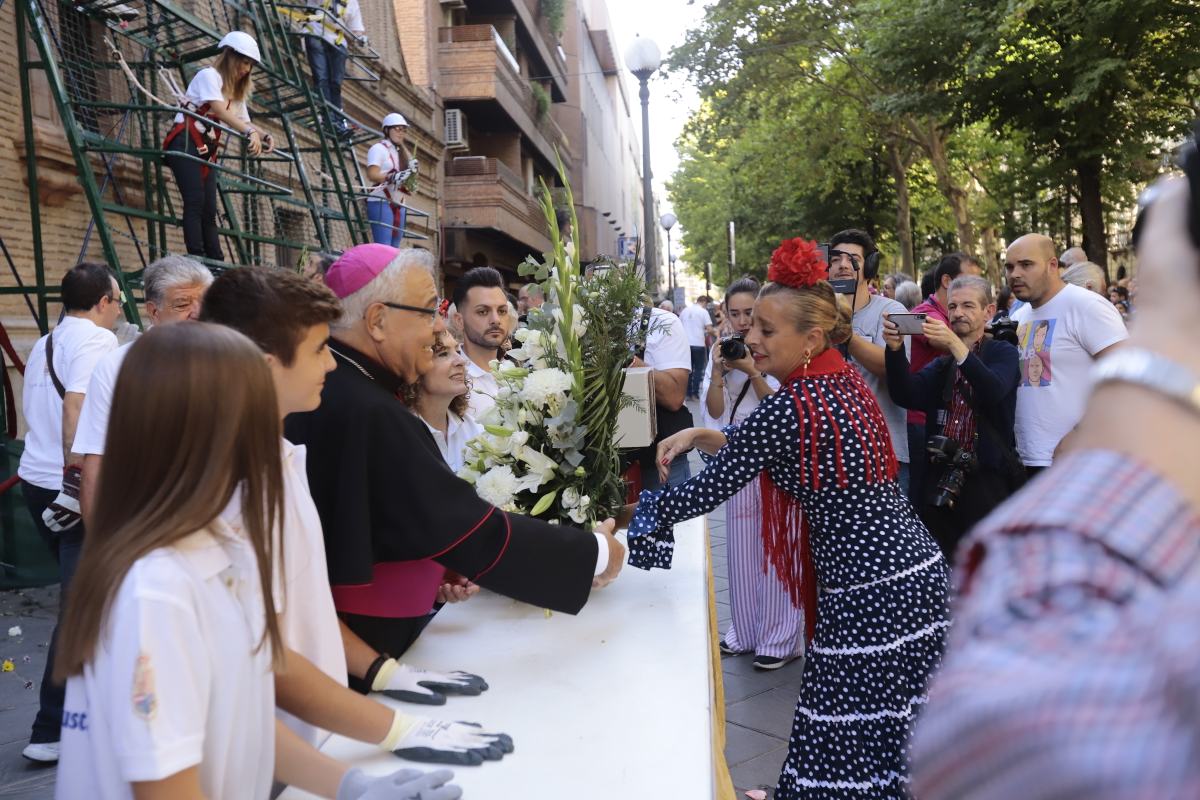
(481,312)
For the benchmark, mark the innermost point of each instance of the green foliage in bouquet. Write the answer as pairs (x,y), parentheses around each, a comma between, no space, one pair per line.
(548,448)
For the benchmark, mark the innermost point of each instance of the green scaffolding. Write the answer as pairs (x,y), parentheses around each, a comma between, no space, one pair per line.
(110,66)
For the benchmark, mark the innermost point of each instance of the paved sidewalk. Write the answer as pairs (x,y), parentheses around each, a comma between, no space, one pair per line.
(33,611)
(758,704)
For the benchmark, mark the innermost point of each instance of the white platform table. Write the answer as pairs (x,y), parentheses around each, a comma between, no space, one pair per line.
(615,702)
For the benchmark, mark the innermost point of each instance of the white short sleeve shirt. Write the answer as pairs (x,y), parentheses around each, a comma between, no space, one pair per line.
(1058,342)
(79,344)
(666,342)
(97,403)
(206,87)
(304,601)
(178,679)
(695,319)
(385,156)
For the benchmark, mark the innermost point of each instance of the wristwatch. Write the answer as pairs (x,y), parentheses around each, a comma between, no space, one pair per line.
(1152,371)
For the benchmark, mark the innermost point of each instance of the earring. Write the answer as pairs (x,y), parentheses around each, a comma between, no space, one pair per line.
(807,359)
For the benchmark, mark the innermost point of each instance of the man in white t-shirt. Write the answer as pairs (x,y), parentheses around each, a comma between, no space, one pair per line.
(481,312)
(853,256)
(669,355)
(56,382)
(696,319)
(1061,330)
(174,287)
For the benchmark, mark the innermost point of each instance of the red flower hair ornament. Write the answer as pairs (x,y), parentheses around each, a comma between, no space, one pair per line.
(797,263)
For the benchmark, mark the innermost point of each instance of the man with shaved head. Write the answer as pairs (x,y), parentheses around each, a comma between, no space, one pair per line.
(1065,327)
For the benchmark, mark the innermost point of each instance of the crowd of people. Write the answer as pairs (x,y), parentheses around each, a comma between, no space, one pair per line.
(245,560)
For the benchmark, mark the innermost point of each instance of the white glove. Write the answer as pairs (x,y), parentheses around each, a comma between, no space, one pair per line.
(414,165)
(405,784)
(411,685)
(435,741)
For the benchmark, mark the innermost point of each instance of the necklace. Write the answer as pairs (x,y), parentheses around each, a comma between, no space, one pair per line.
(350,360)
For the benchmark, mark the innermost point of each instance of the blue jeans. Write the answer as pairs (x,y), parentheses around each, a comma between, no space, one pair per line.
(902,477)
(328,64)
(387,222)
(47,725)
(697,375)
(918,461)
(680,472)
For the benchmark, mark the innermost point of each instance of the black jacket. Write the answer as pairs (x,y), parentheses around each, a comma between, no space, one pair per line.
(385,494)
(993,375)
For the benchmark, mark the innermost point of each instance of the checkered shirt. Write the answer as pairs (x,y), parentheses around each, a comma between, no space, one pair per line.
(1073,669)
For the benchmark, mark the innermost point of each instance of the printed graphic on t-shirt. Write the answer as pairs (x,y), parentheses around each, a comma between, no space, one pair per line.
(1035,339)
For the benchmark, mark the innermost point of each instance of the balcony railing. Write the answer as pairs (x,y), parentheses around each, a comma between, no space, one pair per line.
(504,72)
(508,207)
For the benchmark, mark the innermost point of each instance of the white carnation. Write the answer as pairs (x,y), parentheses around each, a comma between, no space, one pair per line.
(497,485)
(570,497)
(544,385)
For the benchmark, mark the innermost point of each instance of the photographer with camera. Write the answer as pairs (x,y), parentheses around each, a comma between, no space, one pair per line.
(969,397)
(922,352)
(763,620)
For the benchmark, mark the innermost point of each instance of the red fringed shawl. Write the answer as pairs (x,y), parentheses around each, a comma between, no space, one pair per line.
(785,529)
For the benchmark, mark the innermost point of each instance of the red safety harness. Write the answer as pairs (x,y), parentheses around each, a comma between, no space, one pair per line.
(206,138)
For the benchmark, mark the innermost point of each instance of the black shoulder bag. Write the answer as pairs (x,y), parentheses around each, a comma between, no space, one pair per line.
(58,385)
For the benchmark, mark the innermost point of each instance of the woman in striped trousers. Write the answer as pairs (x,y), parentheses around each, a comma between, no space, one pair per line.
(764,620)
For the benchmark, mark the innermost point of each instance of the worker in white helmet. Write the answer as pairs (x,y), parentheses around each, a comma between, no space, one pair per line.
(392,171)
(217,94)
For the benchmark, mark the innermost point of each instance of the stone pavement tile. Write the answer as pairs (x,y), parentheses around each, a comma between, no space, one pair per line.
(21,778)
(743,744)
(720,583)
(760,771)
(741,687)
(769,713)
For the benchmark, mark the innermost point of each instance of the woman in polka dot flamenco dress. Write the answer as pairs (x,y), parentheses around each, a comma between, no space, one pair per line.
(821,444)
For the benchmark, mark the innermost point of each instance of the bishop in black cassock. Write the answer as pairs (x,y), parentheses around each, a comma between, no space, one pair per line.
(390,505)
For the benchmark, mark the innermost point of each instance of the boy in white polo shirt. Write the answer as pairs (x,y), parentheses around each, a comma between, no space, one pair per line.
(288,317)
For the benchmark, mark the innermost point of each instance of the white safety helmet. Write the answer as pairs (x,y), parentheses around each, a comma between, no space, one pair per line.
(242,43)
(393,120)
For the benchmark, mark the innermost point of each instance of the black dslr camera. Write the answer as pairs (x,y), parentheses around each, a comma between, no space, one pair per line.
(1003,329)
(959,463)
(733,348)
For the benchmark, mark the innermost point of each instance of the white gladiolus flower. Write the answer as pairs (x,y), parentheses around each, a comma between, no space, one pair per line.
(544,384)
(579,322)
(497,486)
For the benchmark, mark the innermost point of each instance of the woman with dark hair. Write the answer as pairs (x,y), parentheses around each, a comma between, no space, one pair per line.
(217,94)
(170,636)
(763,620)
(834,518)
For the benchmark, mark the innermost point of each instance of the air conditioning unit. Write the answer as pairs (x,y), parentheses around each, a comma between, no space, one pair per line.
(453,4)
(456,129)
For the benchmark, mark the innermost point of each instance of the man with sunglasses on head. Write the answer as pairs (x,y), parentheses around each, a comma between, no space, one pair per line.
(394,516)
(853,256)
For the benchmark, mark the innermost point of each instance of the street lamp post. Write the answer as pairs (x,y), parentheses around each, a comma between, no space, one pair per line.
(643,59)
(668,221)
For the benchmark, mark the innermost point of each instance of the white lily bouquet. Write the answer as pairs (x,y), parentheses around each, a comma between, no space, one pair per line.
(547,449)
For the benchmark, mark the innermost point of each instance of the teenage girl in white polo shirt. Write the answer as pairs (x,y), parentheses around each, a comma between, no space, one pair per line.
(170,633)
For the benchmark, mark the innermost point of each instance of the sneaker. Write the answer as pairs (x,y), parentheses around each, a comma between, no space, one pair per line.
(769,662)
(727,650)
(42,752)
